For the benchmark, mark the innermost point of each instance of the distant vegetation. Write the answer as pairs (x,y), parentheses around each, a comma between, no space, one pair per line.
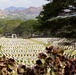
(60,27)
(28,28)
(19,27)
(8,26)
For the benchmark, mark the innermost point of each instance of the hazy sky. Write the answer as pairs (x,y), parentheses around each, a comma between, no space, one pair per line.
(21,3)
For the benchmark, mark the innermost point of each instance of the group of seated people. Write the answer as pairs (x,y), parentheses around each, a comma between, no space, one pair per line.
(53,62)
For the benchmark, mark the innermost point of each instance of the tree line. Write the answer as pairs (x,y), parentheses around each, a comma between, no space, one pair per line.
(19,27)
(59,27)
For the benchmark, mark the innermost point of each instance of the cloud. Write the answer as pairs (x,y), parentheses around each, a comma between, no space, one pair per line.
(4,0)
(21,3)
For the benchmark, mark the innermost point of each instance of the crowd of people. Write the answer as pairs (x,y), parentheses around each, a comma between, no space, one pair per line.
(53,62)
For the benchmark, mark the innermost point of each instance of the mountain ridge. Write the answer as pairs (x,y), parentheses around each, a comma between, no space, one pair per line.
(20,12)
(13,8)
